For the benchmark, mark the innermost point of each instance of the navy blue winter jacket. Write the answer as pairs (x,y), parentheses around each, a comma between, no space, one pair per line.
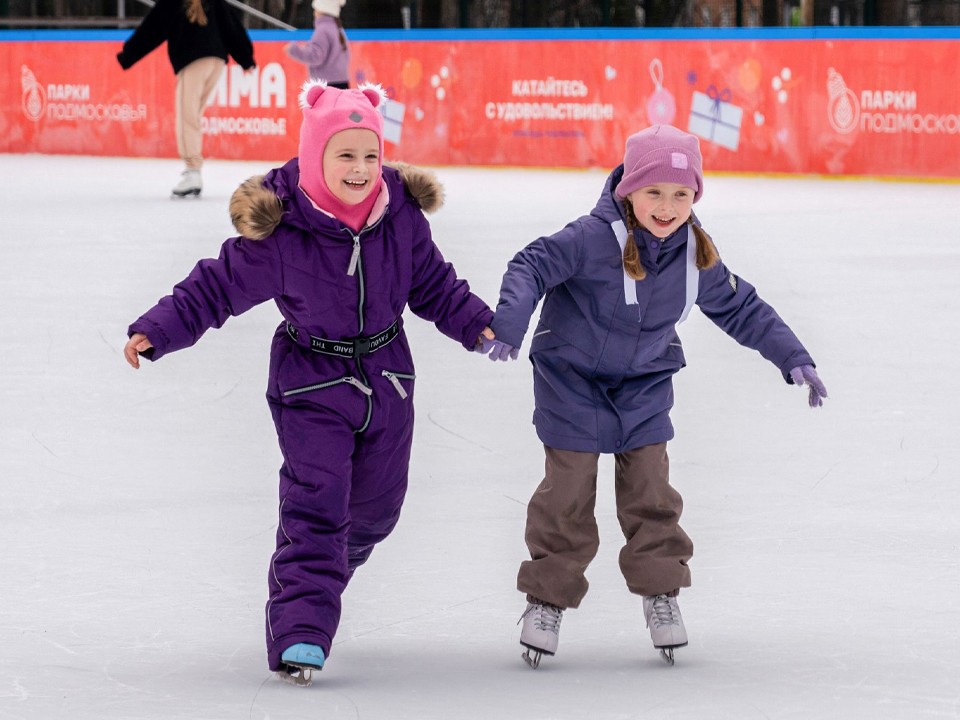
(606,348)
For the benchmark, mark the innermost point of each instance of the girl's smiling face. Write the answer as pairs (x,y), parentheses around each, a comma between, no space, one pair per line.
(662,208)
(351,164)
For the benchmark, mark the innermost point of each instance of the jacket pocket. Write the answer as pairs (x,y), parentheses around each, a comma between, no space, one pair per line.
(544,339)
(672,357)
(349,379)
(398,379)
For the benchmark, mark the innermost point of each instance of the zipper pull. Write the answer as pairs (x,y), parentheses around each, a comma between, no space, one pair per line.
(358,385)
(355,258)
(395,381)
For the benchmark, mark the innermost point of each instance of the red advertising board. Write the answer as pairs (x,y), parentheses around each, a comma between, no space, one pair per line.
(842,106)
(90,106)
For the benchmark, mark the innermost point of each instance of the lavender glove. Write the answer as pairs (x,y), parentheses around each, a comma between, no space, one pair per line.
(497,350)
(807,374)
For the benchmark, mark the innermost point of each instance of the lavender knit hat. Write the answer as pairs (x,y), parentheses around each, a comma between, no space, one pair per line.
(661,153)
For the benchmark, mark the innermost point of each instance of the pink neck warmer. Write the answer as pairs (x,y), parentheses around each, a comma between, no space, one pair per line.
(353,216)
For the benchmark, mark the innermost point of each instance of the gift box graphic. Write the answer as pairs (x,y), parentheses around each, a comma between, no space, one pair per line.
(714,118)
(393,113)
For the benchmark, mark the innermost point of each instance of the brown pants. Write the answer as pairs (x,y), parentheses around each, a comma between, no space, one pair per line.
(562,533)
(195,84)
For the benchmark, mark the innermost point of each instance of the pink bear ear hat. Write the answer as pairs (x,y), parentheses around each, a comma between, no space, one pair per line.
(327,111)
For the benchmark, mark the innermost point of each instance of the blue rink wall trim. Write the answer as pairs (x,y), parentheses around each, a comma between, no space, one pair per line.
(767,33)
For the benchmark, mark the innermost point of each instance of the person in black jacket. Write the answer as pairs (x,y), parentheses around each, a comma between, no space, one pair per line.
(200,34)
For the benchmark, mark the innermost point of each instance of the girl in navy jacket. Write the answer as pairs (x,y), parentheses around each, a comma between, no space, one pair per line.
(616,282)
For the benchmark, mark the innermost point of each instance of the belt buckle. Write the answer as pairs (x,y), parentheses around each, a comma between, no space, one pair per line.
(361,346)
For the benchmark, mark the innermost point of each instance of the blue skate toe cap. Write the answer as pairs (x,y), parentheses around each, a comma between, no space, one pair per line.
(304,655)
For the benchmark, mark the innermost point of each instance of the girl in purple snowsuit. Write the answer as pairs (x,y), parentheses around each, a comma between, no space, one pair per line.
(341,244)
(616,283)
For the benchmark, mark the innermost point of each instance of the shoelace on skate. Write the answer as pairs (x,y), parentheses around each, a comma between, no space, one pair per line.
(662,612)
(547,617)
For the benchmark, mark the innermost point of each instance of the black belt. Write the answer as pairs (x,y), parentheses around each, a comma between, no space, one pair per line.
(351,347)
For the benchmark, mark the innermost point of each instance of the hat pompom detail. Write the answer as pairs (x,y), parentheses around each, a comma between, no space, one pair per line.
(374,92)
(310,92)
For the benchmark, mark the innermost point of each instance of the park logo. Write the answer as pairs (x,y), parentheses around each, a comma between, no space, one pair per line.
(843,108)
(71,102)
(884,111)
(34,98)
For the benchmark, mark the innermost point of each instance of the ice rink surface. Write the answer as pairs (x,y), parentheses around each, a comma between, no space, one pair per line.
(139,508)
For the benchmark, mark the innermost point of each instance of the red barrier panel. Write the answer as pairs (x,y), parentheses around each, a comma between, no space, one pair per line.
(830,106)
(90,106)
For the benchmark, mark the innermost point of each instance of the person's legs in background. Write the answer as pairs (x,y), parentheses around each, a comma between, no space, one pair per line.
(195,84)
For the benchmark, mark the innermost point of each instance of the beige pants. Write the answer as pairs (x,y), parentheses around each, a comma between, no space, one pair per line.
(562,534)
(195,84)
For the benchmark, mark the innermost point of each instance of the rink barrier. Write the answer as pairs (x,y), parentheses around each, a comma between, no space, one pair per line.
(825,101)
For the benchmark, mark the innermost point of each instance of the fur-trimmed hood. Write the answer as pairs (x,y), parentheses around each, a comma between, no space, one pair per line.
(259,204)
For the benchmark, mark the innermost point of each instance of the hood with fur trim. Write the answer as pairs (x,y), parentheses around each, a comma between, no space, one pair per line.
(261,202)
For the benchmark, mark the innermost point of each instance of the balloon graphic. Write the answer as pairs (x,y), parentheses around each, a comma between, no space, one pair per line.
(411,72)
(749,75)
(661,107)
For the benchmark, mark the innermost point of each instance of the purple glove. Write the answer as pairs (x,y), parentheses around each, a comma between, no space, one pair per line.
(497,350)
(807,374)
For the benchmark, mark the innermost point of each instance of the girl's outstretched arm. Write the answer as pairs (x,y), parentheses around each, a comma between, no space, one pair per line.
(808,374)
(137,344)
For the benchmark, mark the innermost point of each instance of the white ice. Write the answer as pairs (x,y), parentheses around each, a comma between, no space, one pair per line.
(138,508)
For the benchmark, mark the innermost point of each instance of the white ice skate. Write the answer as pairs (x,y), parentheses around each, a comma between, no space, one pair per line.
(666,624)
(190,184)
(300,661)
(541,631)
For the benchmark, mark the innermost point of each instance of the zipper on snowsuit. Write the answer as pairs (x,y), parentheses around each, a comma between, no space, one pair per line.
(349,379)
(355,267)
(395,378)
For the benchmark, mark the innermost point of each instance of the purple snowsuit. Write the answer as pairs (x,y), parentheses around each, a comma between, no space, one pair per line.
(606,347)
(345,424)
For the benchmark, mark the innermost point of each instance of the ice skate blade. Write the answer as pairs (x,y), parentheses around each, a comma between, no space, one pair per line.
(534,660)
(195,193)
(294,675)
(667,652)
(532,656)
